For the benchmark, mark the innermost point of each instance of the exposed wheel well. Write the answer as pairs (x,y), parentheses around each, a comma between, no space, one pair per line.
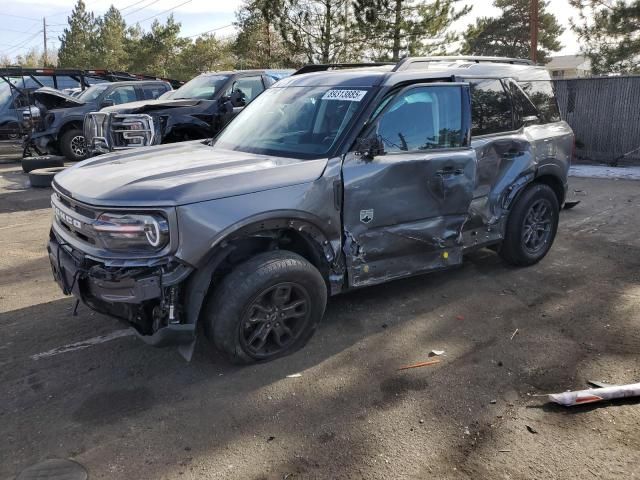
(555,184)
(245,247)
(68,126)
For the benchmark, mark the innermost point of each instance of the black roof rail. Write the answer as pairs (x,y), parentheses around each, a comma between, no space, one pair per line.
(322,67)
(80,75)
(406,62)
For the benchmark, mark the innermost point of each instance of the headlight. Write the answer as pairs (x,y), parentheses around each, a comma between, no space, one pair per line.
(132,232)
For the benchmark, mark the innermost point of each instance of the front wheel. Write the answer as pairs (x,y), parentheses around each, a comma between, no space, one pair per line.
(265,308)
(531,226)
(73,146)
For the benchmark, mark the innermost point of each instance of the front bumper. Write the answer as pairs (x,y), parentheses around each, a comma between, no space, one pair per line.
(127,294)
(42,143)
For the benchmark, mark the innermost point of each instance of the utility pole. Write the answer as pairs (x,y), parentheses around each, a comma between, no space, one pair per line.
(535,25)
(44,37)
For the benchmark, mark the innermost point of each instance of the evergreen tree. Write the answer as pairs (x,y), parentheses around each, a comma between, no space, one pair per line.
(316,30)
(509,35)
(111,39)
(259,43)
(78,48)
(393,29)
(609,31)
(156,52)
(205,54)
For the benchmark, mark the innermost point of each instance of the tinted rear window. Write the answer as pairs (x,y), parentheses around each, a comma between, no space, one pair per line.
(541,94)
(490,108)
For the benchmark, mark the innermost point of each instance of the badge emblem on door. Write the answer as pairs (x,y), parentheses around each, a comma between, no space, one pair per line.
(366,216)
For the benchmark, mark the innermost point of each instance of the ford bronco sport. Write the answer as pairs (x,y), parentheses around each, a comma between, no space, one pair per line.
(328,181)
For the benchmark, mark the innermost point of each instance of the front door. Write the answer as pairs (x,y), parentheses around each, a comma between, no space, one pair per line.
(404,207)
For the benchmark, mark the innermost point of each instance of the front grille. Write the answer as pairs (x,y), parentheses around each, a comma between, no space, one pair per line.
(74,218)
(105,132)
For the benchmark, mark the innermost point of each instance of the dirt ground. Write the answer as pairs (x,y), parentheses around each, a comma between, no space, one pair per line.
(125,410)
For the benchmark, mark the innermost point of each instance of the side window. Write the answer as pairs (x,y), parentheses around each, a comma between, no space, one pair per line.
(522,106)
(422,118)
(542,96)
(151,92)
(122,95)
(490,108)
(250,86)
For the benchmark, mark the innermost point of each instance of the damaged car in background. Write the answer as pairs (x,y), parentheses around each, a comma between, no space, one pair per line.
(331,180)
(198,109)
(59,129)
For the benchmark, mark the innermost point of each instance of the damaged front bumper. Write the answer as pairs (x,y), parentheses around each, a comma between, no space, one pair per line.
(149,298)
(41,143)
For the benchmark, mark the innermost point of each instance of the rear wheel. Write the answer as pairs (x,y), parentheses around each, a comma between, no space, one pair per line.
(265,308)
(531,227)
(72,145)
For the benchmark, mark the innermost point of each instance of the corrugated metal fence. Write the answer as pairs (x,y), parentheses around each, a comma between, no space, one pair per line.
(604,113)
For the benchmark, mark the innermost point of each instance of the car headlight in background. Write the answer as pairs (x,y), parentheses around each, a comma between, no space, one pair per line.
(147,232)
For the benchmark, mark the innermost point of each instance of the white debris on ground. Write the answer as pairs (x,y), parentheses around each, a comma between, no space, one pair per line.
(603,171)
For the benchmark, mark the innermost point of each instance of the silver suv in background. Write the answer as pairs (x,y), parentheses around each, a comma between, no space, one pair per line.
(333,179)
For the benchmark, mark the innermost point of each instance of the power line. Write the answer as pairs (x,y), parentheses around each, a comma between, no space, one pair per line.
(209,31)
(18,16)
(141,8)
(166,11)
(132,5)
(22,44)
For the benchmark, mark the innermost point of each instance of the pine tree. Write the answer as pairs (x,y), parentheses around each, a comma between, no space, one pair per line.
(205,54)
(609,31)
(393,29)
(78,48)
(111,39)
(509,35)
(259,43)
(316,30)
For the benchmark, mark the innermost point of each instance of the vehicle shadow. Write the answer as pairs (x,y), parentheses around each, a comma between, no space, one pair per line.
(145,409)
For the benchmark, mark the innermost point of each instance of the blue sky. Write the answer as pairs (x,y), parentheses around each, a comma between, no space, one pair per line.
(21,20)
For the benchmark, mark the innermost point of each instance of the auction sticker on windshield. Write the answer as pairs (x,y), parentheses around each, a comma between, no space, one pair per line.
(348,95)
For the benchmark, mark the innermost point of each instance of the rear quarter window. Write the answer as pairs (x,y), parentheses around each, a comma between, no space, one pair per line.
(151,92)
(541,94)
(490,108)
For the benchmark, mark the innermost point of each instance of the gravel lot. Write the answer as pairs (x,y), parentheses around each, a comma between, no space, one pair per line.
(125,410)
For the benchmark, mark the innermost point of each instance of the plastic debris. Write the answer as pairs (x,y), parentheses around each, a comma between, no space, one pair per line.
(592,395)
(294,375)
(421,364)
(569,204)
(531,429)
(460,317)
(436,353)
(515,333)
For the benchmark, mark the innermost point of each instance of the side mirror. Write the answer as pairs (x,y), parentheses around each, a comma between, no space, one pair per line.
(107,103)
(369,147)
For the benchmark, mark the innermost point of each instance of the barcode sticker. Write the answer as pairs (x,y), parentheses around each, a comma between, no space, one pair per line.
(345,95)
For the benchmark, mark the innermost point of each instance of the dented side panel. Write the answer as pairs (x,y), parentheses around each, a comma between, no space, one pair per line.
(404,212)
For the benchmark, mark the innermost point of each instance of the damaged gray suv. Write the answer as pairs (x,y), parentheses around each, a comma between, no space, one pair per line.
(338,177)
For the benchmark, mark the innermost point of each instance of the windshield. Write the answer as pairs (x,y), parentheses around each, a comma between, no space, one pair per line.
(5,93)
(297,122)
(204,86)
(91,93)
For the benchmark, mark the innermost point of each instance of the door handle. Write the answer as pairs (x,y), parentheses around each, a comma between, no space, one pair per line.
(449,172)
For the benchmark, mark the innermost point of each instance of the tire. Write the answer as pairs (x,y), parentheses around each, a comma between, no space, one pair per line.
(257,290)
(46,161)
(42,177)
(531,226)
(69,145)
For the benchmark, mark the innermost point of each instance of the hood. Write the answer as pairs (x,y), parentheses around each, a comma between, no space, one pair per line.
(52,98)
(178,174)
(149,105)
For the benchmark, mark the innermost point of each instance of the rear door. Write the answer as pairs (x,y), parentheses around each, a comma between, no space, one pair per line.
(404,209)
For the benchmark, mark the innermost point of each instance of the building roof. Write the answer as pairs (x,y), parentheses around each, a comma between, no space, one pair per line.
(569,62)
